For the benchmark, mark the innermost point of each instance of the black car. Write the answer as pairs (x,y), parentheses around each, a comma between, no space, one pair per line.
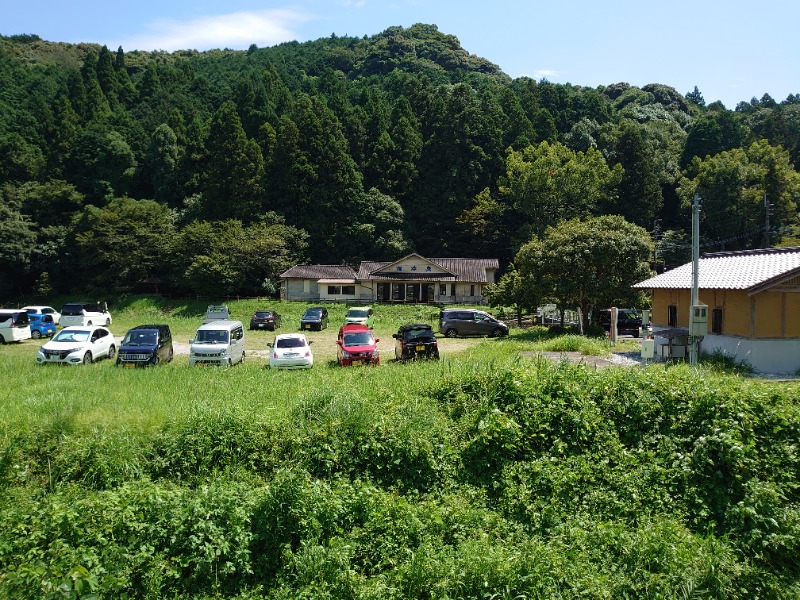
(145,345)
(629,321)
(315,317)
(415,341)
(265,319)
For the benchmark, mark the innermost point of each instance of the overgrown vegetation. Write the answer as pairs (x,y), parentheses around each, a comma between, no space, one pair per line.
(483,475)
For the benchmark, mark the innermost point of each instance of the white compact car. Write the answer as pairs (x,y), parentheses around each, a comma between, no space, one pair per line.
(78,345)
(43,310)
(291,351)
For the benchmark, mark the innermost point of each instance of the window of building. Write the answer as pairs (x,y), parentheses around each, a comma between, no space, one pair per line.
(452,289)
(349,290)
(716,320)
(443,289)
(398,291)
(472,290)
(334,290)
(672,315)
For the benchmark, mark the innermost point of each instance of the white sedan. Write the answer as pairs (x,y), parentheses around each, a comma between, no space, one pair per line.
(43,310)
(291,351)
(78,345)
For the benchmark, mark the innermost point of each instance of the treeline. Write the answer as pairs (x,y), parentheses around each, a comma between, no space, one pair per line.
(214,171)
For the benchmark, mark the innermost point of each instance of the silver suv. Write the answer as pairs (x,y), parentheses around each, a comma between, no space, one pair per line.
(455,322)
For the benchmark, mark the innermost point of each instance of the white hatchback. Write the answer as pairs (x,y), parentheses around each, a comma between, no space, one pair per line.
(78,345)
(291,351)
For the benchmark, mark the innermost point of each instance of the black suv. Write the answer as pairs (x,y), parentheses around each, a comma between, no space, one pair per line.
(454,322)
(145,345)
(265,319)
(415,341)
(315,317)
(629,322)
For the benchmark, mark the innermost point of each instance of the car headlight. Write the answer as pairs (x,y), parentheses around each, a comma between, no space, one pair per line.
(345,353)
(74,350)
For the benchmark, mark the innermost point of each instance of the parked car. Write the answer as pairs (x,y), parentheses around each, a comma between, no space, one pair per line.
(455,322)
(357,346)
(41,325)
(145,345)
(43,310)
(77,345)
(14,325)
(85,314)
(265,319)
(360,315)
(217,312)
(290,351)
(315,317)
(629,321)
(219,342)
(415,341)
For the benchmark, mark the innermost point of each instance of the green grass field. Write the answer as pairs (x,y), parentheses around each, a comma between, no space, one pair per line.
(482,475)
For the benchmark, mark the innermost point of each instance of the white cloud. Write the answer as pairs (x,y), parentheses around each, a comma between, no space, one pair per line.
(235,30)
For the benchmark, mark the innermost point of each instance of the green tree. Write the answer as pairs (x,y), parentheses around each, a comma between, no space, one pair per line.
(521,292)
(235,168)
(588,263)
(162,162)
(733,185)
(124,242)
(550,183)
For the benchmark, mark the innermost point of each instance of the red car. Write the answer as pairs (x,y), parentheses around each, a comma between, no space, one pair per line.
(357,346)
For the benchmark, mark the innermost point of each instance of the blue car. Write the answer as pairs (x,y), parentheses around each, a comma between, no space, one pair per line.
(42,326)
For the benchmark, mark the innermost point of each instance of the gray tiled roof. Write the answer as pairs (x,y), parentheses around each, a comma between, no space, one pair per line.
(745,270)
(319,272)
(463,269)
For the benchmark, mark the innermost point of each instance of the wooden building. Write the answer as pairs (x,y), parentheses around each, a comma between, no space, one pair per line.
(753,300)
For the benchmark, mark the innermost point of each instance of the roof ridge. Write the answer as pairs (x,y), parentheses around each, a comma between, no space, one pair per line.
(787,250)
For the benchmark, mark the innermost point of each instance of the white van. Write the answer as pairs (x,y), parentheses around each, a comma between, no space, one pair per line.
(219,342)
(84,314)
(14,325)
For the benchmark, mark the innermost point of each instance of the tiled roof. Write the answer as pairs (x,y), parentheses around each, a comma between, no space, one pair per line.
(319,272)
(463,269)
(750,270)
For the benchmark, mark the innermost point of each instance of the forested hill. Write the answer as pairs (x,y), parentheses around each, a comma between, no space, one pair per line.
(212,172)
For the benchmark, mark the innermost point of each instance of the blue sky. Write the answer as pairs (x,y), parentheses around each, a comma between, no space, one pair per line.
(731,51)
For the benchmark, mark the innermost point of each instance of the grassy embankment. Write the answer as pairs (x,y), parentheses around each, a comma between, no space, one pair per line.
(481,475)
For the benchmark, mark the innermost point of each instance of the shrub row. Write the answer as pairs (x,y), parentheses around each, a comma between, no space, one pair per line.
(504,479)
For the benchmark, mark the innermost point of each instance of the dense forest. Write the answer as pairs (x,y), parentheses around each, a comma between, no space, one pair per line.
(212,172)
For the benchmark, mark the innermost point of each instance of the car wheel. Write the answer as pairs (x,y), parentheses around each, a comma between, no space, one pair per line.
(112,351)
(242,361)
(496,332)
(36,334)
(89,324)
(2,340)
(451,333)
(230,363)
(87,358)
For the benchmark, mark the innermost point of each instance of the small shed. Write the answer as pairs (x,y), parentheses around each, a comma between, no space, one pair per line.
(753,299)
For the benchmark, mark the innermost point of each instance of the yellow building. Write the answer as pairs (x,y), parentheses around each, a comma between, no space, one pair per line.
(753,300)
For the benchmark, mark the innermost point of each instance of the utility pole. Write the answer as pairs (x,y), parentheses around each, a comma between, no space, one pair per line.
(768,242)
(693,344)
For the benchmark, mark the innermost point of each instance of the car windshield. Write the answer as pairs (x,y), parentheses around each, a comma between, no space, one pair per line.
(140,337)
(358,313)
(290,343)
(311,312)
(362,338)
(263,313)
(212,336)
(416,334)
(71,336)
